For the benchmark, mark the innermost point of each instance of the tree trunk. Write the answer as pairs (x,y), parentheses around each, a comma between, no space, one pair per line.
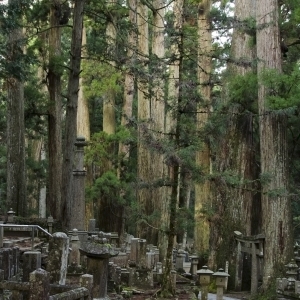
(54,117)
(157,116)
(233,203)
(276,206)
(241,159)
(144,161)
(129,91)
(171,118)
(83,129)
(173,162)
(71,111)
(167,287)
(110,212)
(202,190)
(16,178)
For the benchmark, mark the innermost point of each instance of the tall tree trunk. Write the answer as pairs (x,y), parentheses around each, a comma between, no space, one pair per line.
(83,128)
(167,287)
(171,119)
(71,111)
(110,212)
(240,156)
(173,161)
(16,178)
(129,91)
(157,115)
(34,149)
(202,190)
(233,203)
(276,206)
(54,116)
(144,193)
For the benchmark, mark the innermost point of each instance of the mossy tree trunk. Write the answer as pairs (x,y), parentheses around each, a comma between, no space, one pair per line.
(16,177)
(71,111)
(202,190)
(276,206)
(171,120)
(144,193)
(54,115)
(235,163)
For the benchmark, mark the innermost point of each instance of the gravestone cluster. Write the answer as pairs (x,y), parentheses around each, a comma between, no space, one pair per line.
(81,264)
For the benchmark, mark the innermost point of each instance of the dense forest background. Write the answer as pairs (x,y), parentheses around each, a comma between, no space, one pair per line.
(190,110)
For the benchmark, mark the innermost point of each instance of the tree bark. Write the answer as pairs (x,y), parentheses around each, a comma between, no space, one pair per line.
(202,190)
(241,159)
(173,163)
(144,193)
(171,118)
(16,178)
(129,92)
(54,117)
(157,116)
(110,212)
(276,206)
(71,111)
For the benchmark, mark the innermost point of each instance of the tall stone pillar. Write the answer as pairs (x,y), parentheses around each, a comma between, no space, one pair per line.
(77,219)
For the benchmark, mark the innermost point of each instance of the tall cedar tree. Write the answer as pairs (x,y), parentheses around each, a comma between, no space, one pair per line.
(144,160)
(276,206)
(16,179)
(54,113)
(234,198)
(202,190)
(171,118)
(71,113)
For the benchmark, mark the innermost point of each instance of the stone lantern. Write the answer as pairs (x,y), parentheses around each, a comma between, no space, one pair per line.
(221,281)
(10,216)
(98,253)
(204,279)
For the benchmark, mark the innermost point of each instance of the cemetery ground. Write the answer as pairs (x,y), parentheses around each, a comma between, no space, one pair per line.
(38,264)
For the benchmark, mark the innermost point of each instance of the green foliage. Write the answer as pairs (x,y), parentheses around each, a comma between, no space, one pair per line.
(103,148)
(101,79)
(35,109)
(108,185)
(56,64)
(100,146)
(242,90)
(14,62)
(284,89)
(249,26)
